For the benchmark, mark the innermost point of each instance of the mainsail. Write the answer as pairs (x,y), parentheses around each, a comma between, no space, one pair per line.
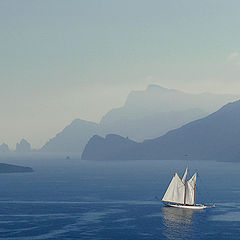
(184,178)
(175,191)
(190,190)
(180,190)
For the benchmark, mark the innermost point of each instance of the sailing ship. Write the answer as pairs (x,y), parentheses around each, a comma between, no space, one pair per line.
(181,193)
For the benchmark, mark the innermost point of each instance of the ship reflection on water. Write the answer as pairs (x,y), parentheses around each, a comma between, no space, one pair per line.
(177,222)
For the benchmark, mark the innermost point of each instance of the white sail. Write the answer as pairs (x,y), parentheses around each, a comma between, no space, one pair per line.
(175,191)
(190,190)
(181,193)
(184,178)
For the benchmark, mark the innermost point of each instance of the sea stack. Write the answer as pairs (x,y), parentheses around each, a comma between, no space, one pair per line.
(23,146)
(4,148)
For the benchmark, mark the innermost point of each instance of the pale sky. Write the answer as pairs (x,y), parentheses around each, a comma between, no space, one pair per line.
(67,59)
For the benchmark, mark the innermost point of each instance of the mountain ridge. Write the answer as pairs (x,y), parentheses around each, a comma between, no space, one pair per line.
(146,114)
(215,137)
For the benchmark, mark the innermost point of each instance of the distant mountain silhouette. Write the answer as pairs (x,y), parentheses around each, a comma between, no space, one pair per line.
(153,112)
(23,146)
(146,114)
(140,127)
(72,138)
(109,147)
(4,148)
(215,137)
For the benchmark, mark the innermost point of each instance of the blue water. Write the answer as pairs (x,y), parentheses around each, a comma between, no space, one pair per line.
(73,199)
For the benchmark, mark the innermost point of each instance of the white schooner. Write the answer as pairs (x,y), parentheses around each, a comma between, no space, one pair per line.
(181,193)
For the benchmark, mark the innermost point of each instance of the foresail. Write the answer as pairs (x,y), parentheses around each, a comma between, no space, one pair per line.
(190,190)
(175,191)
(184,178)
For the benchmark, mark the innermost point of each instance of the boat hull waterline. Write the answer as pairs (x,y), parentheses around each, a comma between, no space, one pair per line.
(193,207)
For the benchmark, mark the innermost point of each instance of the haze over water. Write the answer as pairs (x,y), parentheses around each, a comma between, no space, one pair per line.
(73,199)
(66,61)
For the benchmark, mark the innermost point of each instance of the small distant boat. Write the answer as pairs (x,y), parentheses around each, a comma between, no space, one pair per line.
(181,193)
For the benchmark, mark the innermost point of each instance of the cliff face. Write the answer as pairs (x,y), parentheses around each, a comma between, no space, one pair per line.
(99,148)
(215,137)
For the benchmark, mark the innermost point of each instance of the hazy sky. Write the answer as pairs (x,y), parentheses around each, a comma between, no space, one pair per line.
(66,59)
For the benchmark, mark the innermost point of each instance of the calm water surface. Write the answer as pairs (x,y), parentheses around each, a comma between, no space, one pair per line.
(73,199)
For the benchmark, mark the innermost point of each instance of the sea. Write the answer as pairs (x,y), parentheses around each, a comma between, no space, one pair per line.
(103,200)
